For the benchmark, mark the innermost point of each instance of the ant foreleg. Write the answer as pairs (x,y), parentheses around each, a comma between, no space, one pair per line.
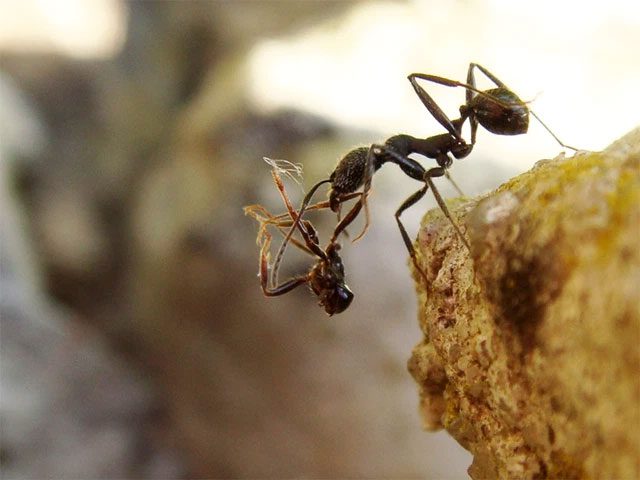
(453,127)
(432,106)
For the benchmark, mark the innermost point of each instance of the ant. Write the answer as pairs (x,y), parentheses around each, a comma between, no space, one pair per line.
(499,110)
(326,278)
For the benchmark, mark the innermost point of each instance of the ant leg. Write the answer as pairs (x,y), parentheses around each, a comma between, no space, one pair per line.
(295,216)
(260,215)
(283,225)
(280,219)
(455,185)
(433,107)
(414,169)
(487,73)
(264,273)
(339,218)
(412,200)
(286,287)
(438,172)
(265,218)
(500,83)
(283,221)
(447,82)
(350,217)
(471,80)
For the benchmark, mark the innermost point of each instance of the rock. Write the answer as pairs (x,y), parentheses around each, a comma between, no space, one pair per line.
(530,356)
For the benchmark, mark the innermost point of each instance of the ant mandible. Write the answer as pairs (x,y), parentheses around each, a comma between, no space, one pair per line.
(326,278)
(499,110)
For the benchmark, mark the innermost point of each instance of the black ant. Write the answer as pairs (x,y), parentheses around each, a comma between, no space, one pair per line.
(499,110)
(326,278)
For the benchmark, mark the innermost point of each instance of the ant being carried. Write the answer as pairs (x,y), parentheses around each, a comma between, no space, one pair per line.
(499,110)
(326,278)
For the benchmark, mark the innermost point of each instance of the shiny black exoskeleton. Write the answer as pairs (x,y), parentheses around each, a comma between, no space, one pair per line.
(326,278)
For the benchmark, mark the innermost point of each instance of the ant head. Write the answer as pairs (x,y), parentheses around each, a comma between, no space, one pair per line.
(338,299)
(500,111)
(461,149)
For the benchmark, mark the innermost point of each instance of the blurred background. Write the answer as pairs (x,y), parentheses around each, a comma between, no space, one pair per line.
(135,341)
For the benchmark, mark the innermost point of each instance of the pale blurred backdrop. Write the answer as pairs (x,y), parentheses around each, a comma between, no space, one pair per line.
(135,341)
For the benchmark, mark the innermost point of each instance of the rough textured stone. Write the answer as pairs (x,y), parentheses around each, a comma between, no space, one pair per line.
(531,356)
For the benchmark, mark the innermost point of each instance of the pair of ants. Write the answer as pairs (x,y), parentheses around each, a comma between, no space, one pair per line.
(498,110)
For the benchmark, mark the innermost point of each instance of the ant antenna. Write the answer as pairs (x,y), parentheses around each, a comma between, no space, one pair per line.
(551,132)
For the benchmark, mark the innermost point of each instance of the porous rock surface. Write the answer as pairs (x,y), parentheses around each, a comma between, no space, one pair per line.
(531,350)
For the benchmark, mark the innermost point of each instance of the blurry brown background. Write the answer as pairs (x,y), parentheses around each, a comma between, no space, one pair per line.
(135,341)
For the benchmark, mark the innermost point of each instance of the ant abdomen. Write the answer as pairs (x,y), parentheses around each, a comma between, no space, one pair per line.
(509,117)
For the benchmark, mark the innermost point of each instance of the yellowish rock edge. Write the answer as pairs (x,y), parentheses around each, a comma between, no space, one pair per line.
(531,350)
